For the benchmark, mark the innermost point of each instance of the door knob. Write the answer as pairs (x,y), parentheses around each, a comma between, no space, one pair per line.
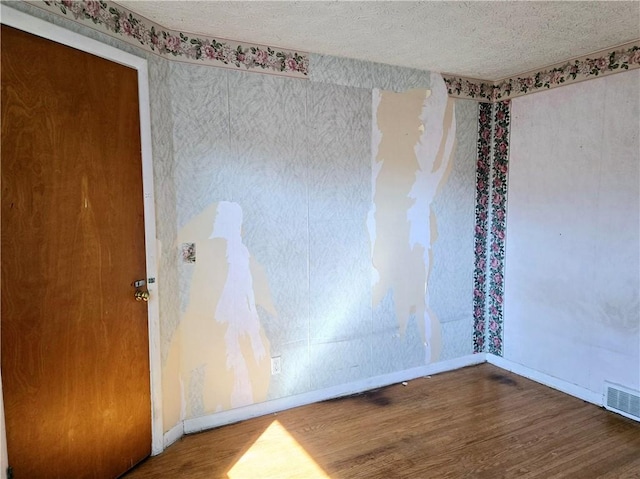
(141,295)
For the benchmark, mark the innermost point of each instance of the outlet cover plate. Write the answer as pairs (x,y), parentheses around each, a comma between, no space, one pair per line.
(276,365)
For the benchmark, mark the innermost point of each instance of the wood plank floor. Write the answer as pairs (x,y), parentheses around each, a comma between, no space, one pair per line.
(477,422)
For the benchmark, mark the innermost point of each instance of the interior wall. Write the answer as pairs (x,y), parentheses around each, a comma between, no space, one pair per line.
(272,180)
(274,189)
(572,272)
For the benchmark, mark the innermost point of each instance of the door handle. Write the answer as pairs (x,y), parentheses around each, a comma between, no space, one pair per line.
(141,295)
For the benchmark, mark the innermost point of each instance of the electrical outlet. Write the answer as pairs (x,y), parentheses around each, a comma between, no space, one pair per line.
(276,365)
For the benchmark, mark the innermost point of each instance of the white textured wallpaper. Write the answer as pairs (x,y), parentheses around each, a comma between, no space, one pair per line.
(296,158)
(572,306)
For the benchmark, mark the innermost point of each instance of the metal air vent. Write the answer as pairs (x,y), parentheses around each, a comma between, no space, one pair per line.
(622,400)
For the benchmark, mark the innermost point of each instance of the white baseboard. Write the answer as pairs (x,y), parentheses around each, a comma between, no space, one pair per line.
(542,378)
(277,405)
(173,434)
(209,421)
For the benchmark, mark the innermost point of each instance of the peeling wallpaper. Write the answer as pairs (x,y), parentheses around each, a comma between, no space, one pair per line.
(296,157)
(416,131)
(222,351)
(293,164)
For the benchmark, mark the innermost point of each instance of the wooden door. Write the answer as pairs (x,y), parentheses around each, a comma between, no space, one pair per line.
(75,361)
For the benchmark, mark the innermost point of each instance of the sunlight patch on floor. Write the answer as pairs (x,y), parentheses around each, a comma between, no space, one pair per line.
(276,454)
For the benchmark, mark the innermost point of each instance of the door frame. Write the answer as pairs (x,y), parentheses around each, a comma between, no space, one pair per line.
(41,28)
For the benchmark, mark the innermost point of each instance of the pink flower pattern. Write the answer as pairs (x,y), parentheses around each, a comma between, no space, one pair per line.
(576,70)
(93,8)
(482,214)
(122,23)
(172,44)
(491,196)
(500,164)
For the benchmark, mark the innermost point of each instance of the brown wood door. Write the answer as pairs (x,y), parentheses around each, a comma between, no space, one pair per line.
(75,361)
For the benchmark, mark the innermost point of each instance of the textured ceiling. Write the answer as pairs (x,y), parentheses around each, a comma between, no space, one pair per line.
(485,40)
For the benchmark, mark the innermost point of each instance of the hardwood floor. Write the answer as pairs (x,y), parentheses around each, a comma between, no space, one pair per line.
(477,422)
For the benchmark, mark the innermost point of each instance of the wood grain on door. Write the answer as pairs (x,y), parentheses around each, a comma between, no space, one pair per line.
(75,352)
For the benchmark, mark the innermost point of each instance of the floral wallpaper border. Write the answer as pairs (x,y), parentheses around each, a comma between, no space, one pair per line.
(116,21)
(483,170)
(498,199)
(119,22)
(605,62)
(494,122)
